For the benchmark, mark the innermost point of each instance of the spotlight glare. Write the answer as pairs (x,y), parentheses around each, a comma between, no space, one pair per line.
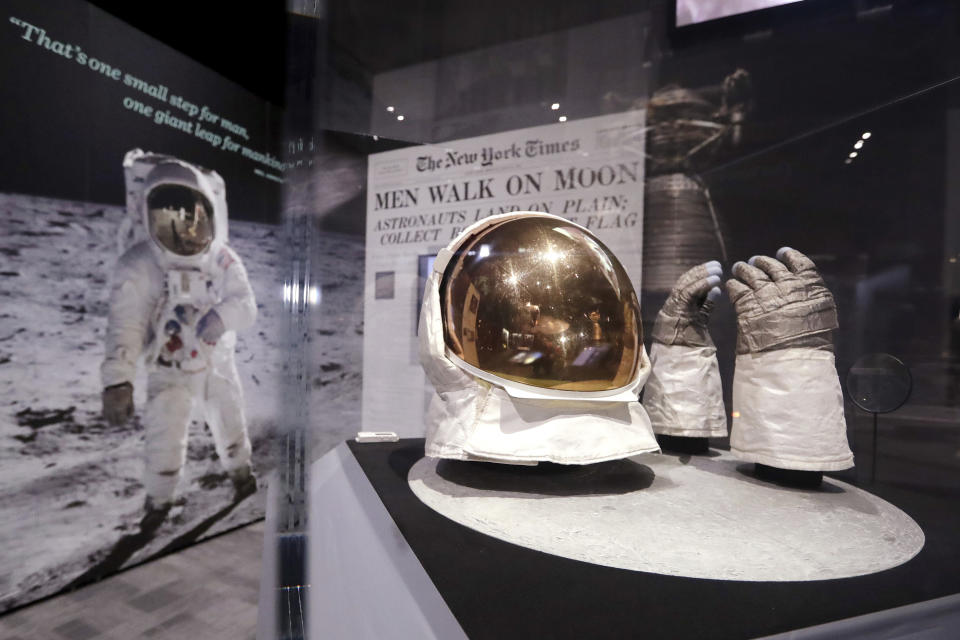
(552,255)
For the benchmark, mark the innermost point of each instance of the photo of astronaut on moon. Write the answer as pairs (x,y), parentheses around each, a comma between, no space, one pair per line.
(143,332)
(141,364)
(179,296)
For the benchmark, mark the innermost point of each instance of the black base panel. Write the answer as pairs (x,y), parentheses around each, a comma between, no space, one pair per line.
(500,590)
(683,444)
(788,477)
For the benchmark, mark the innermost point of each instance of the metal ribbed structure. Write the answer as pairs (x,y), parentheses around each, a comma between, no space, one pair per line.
(680,230)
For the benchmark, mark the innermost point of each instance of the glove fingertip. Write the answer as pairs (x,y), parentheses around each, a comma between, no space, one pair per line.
(752,261)
(782,251)
(713,281)
(737,268)
(714,294)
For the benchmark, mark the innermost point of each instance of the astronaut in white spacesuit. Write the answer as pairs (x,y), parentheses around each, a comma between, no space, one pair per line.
(177,299)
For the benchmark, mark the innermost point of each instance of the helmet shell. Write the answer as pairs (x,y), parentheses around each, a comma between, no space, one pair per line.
(540,301)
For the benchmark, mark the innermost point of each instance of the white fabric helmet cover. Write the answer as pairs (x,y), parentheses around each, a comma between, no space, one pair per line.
(530,333)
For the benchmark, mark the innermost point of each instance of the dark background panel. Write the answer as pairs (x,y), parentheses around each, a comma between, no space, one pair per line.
(244,44)
(66,128)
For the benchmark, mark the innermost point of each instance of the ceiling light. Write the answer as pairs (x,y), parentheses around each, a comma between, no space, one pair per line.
(400,117)
(853,154)
(858,144)
(389,109)
(555,106)
(562,118)
(866,135)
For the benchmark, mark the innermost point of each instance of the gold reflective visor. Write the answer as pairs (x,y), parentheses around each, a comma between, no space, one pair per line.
(180,219)
(542,302)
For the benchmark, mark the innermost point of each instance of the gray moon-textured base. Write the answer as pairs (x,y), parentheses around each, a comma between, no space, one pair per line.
(698,517)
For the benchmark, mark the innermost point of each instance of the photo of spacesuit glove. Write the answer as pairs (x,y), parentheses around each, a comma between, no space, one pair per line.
(684,395)
(118,403)
(787,401)
(210,327)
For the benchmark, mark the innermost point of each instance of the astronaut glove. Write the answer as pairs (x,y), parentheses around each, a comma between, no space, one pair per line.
(787,400)
(118,403)
(684,396)
(683,319)
(210,327)
(781,303)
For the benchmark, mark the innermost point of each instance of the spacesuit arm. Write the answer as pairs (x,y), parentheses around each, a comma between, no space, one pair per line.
(238,306)
(683,395)
(132,300)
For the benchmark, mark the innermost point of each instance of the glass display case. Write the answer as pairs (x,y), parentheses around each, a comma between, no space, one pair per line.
(533,319)
(676,140)
(674,136)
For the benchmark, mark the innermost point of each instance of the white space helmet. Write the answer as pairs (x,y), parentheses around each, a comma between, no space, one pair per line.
(181,208)
(530,333)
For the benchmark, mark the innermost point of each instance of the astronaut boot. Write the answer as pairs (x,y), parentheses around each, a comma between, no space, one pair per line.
(154,514)
(244,482)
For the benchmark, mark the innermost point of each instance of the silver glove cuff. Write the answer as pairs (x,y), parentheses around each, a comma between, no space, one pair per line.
(682,330)
(780,328)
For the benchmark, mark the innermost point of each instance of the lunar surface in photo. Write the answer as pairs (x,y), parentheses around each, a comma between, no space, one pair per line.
(692,516)
(68,474)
